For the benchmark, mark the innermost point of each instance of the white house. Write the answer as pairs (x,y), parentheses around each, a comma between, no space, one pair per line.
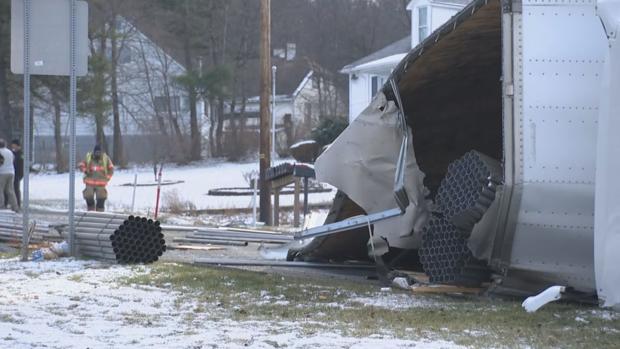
(303,93)
(367,75)
(151,103)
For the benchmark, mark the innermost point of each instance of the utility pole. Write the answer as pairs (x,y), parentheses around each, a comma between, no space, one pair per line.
(265,115)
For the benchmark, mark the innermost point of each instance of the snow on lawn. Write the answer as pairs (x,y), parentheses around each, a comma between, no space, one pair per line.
(69,303)
(50,190)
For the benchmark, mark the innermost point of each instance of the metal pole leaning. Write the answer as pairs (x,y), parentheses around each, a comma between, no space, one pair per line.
(26,128)
(73,110)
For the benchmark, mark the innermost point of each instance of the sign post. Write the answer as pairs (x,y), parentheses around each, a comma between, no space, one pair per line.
(41,44)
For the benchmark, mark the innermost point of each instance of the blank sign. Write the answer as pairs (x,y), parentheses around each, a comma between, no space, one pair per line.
(50,37)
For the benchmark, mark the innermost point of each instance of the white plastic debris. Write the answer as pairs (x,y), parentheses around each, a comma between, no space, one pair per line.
(401,283)
(552,294)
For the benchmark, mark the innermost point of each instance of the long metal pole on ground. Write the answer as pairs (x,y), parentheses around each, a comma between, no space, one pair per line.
(72,150)
(26,128)
(270,263)
(265,117)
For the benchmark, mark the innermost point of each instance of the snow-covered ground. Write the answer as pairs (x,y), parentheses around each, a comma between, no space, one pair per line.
(50,191)
(80,304)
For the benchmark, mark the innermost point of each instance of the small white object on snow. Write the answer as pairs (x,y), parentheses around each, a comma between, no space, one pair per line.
(553,293)
(582,320)
(299,144)
(401,283)
(385,289)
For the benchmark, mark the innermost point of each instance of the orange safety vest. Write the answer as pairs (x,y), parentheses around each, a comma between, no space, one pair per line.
(95,181)
(89,158)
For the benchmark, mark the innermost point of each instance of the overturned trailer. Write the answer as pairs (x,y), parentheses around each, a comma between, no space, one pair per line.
(525,90)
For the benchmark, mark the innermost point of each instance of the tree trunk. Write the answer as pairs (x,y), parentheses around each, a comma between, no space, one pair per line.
(195,153)
(61,167)
(213,121)
(6,122)
(117,154)
(220,128)
(232,122)
(100,132)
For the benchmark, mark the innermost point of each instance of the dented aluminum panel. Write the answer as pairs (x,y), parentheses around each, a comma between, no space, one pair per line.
(363,162)
(607,222)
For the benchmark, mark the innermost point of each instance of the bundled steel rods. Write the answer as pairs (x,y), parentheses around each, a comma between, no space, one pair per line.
(121,238)
(11,229)
(468,189)
(465,195)
(445,257)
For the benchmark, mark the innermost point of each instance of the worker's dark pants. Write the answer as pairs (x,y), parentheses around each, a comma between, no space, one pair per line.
(89,195)
(17,189)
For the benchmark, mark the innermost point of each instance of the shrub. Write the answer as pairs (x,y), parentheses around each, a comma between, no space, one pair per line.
(172,202)
(329,129)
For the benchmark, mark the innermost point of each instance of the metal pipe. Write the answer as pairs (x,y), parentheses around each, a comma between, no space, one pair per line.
(243,237)
(99,249)
(101,221)
(98,225)
(93,237)
(95,231)
(211,242)
(273,263)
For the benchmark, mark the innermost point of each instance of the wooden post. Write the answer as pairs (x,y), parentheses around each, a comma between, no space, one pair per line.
(276,207)
(296,202)
(265,115)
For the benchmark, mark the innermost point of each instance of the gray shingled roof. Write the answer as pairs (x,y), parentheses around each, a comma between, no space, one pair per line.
(401,46)
(455,2)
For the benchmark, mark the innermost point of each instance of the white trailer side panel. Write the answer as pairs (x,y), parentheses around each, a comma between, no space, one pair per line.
(563,49)
(607,224)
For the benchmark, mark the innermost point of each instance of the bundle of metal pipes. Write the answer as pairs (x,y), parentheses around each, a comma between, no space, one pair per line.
(445,257)
(12,228)
(120,238)
(211,236)
(465,195)
(468,189)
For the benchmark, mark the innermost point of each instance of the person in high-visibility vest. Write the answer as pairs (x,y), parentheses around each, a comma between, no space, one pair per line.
(98,170)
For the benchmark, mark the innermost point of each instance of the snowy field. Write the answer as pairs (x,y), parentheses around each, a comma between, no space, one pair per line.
(49,191)
(81,304)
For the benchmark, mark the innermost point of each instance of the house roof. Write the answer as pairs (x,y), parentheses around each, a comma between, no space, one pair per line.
(452,2)
(399,47)
(412,4)
(289,75)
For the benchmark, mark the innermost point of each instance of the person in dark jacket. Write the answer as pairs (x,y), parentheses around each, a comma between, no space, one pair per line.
(18,163)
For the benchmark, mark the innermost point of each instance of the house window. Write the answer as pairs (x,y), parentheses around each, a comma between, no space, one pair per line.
(161,104)
(422,23)
(376,82)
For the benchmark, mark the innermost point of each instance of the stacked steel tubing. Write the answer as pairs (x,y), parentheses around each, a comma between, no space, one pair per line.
(120,238)
(445,257)
(465,195)
(11,229)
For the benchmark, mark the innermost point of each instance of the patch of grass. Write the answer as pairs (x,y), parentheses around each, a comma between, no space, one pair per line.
(32,275)
(9,255)
(138,318)
(76,278)
(8,318)
(173,202)
(474,322)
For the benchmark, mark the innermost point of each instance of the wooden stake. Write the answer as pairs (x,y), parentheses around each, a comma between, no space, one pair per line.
(265,114)
(296,202)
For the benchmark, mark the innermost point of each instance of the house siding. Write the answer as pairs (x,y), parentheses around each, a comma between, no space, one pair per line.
(359,88)
(137,111)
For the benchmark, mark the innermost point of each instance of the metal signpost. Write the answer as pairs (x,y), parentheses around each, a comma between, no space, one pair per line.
(42,44)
